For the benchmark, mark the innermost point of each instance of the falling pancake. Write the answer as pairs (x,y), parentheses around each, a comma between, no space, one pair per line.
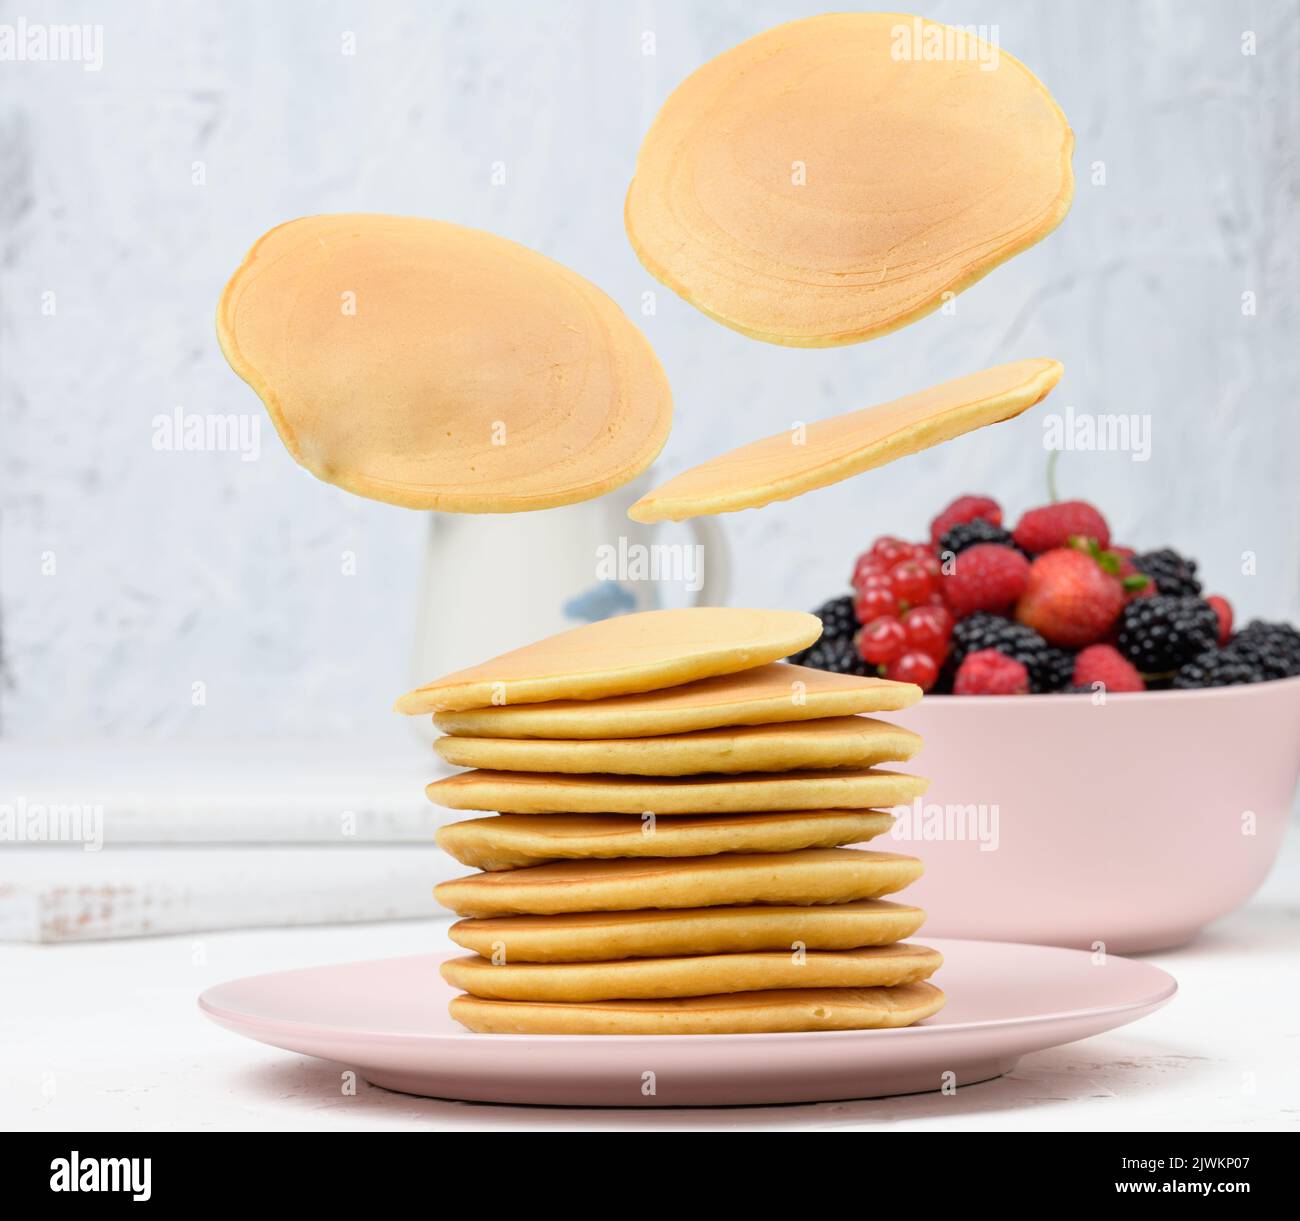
(653,932)
(786,465)
(515,841)
(748,792)
(809,876)
(438,367)
(629,653)
(759,696)
(852,741)
(654,978)
(792,1009)
(834,179)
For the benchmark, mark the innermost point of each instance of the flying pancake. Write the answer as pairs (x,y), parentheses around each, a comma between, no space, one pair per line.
(784,466)
(834,179)
(437,367)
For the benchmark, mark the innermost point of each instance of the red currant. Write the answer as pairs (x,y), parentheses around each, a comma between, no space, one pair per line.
(912,583)
(928,628)
(865,563)
(873,601)
(914,667)
(881,640)
(889,550)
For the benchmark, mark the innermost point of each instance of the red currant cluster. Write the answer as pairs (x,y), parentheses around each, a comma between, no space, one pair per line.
(905,621)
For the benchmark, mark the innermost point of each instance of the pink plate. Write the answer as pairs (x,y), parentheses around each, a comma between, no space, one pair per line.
(388,1020)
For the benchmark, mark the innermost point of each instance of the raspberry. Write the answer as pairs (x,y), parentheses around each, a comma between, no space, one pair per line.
(986,577)
(1053,526)
(989,672)
(1222,608)
(1070,599)
(1105,664)
(964,509)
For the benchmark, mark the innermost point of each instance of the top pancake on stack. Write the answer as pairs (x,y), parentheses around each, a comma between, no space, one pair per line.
(740,910)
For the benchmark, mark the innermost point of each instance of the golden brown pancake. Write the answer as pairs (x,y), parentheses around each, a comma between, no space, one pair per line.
(852,741)
(829,181)
(515,841)
(652,978)
(808,876)
(629,653)
(545,793)
(438,367)
(765,694)
(653,932)
(791,463)
(733,1013)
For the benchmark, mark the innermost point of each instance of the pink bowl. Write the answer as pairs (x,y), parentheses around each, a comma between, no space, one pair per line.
(1133,823)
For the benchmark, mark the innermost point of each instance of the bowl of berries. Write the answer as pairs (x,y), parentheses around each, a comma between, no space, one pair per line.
(1113,761)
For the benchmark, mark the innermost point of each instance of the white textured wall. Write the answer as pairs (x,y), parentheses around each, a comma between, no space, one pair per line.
(180,567)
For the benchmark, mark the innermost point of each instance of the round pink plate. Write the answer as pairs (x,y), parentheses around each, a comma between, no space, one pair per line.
(388,1020)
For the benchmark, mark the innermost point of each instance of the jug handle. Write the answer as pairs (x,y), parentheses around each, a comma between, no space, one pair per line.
(716,586)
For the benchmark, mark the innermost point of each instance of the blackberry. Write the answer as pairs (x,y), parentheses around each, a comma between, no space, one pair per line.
(1172,574)
(1218,668)
(1162,633)
(1277,645)
(1049,668)
(838,619)
(968,533)
(839,655)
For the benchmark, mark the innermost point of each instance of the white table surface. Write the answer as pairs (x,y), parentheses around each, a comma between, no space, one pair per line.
(107,1035)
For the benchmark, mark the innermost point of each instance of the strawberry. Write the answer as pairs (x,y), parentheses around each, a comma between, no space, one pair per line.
(964,509)
(1070,598)
(1222,608)
(1105,664)
(985,577)
(1054,525)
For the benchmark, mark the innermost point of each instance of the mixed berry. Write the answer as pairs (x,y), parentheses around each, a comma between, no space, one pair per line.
(1049,605)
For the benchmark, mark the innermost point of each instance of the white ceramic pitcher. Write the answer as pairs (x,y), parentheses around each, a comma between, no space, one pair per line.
(494,582)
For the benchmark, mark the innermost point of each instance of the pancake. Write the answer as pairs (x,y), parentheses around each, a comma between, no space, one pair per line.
(835,449)
(515,841)
(650,978)
(437,367)
(852,741)
(629,653)
(766,694)
(808,876)
(733,1013)
(544,793)
(653,933)
(826,182)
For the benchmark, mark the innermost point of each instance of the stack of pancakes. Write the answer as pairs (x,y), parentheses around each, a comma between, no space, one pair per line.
(668,853)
